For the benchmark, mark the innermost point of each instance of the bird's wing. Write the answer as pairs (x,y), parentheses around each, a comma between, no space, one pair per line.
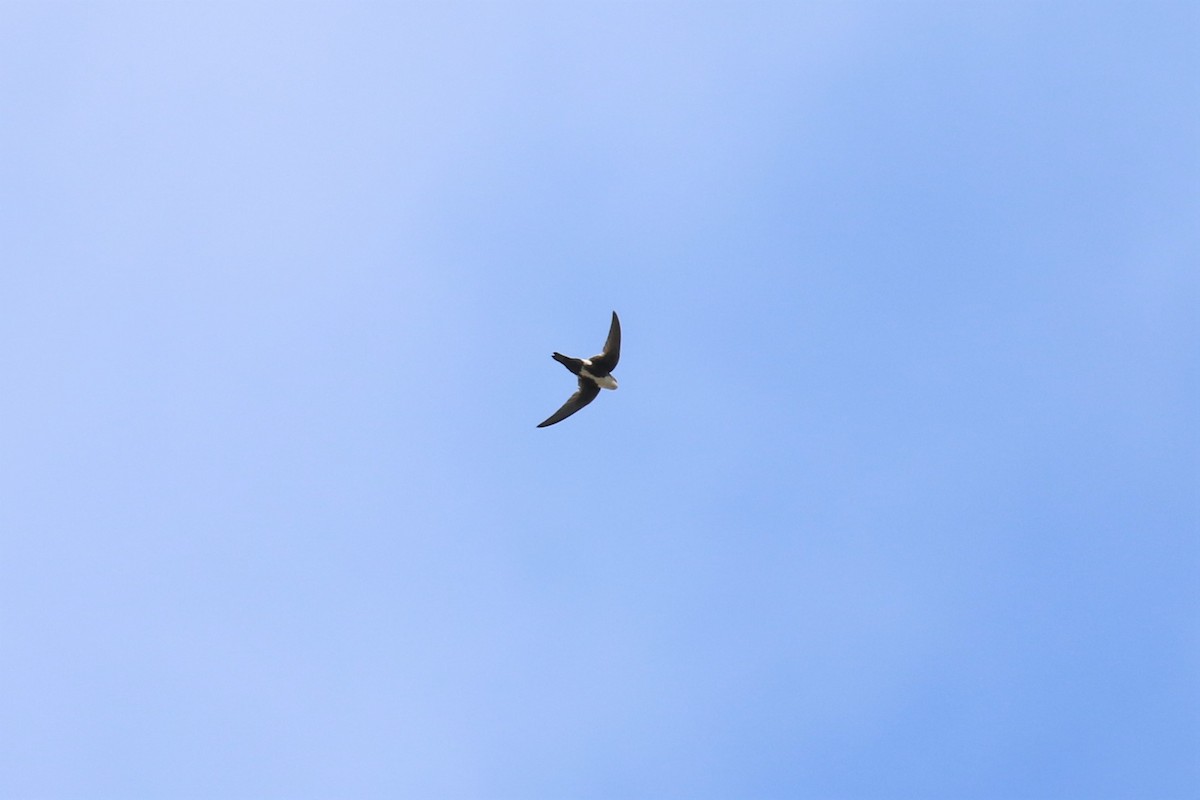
(606,362)
(586,394)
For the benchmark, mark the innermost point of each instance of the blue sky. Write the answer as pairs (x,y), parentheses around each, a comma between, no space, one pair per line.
(899,496)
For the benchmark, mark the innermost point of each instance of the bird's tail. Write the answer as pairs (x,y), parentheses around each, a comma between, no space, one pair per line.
(573,364)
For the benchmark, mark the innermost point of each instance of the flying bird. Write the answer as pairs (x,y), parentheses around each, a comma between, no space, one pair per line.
(594,373)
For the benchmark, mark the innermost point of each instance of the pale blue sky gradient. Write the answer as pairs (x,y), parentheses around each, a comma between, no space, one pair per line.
(899,496)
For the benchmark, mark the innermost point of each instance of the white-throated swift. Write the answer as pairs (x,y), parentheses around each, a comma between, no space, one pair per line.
(594,373)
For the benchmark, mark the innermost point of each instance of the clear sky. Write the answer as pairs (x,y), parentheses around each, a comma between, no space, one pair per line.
(899,496)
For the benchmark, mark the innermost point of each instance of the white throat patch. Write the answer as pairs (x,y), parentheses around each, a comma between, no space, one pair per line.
(607,382)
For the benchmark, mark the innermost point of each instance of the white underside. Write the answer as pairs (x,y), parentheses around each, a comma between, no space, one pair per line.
(607,382)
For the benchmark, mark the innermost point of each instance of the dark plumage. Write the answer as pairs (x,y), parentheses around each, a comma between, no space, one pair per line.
(594,374)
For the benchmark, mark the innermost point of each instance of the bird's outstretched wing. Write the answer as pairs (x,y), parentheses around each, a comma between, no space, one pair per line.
(606,362)
(586,394)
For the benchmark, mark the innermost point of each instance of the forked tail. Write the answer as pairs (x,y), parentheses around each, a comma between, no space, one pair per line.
(573,364)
